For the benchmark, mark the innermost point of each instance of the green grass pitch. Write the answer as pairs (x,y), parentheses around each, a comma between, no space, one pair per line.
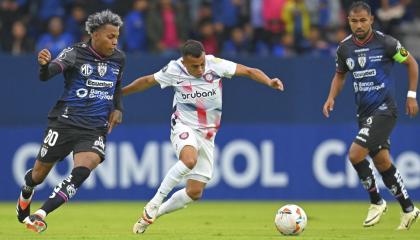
(206,220)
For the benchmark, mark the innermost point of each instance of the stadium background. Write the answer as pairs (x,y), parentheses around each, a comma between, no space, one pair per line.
(271,145)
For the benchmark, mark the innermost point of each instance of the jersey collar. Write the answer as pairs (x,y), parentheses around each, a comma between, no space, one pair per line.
(364,42)
(98,55)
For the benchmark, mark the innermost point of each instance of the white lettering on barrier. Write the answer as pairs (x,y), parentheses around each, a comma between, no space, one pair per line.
(409,166)
(123,168)
(141,172)
(269,178)
(320,164)
(250,154)
(408,163)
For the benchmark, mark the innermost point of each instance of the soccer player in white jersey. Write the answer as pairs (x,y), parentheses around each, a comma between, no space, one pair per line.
(197,81)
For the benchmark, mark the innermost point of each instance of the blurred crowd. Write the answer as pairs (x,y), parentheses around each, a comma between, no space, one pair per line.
(280,28)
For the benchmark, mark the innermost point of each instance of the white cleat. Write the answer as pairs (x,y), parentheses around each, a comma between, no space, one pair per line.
(407,219)
(374,214)
(149,215)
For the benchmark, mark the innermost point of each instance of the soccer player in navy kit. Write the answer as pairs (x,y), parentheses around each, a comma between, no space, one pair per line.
(368,55)
(88,109)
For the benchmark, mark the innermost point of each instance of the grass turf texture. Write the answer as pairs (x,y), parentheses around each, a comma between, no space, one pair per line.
(206,220)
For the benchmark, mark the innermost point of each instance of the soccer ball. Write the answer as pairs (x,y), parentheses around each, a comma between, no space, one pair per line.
(290,220)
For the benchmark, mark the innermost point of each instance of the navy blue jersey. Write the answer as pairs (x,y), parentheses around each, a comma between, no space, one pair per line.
(92,83)
(370,64)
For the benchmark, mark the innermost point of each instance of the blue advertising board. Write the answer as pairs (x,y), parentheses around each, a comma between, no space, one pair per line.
(268,161)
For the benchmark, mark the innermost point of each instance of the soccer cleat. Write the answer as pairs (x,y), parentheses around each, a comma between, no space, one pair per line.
(23,206)
(35,223)
(407,219)
(149,216)
(374,214)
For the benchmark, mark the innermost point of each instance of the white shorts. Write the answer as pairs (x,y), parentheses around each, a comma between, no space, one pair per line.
(181,136)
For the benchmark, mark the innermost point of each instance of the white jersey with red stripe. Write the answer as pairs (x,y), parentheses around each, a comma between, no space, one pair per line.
(197,101)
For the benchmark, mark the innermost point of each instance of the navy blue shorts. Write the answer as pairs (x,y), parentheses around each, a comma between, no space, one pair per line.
(61,139)
(374,131)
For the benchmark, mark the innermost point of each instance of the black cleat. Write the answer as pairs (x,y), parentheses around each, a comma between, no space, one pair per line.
(23,206)
(35,223)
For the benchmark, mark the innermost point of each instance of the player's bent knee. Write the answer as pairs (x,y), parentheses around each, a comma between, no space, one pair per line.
(357,153)
(195,194)
(189,162)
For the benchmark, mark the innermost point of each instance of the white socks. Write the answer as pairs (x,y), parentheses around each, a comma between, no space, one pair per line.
(172,178)
(178,200)
(41,213)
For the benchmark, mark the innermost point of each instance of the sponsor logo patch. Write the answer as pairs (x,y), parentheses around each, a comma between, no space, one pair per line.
(364,131)
(86,69)
(99,83)
(82,92)
(197,94)
(364,73)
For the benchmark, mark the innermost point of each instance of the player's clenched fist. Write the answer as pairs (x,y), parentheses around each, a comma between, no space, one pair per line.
(276,84)
(44,57)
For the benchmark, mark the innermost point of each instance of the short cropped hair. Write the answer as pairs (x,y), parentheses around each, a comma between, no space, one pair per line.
(99,19)
(193,48)
(360,5)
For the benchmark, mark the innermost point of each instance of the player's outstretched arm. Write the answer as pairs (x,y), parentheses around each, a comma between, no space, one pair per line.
(140,84)
(259,76)
(336,87)
(411,106)
(46,70)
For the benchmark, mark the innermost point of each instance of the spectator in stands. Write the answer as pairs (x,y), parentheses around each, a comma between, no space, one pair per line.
(318,46)
(237,44)
(19,43)
(10,11)
(390,15)
(285,46)
(167,26)
(46,9)
(75,22)
(272,17)
(55,39)
(204,14)
(297,22)
(208,37)
(135,39)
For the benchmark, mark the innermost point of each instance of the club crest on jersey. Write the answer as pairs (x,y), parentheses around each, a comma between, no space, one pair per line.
(362,60)
(210,76)
(86,69)
(184,135)
(350,63)
(102,67)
